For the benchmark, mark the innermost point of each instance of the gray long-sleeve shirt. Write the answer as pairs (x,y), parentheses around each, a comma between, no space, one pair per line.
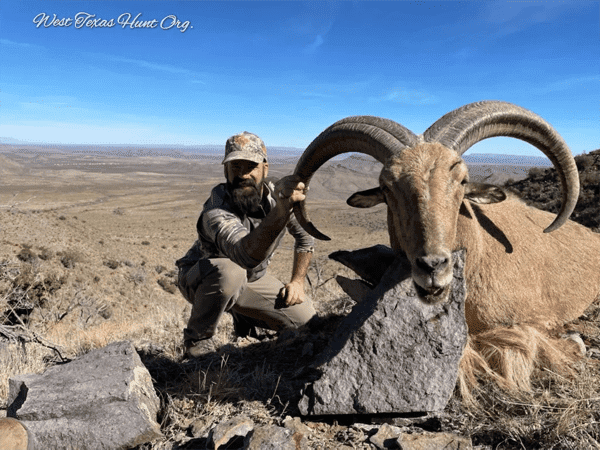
(221,228)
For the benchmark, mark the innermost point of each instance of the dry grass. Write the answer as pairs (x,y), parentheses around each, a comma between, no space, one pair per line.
(558,413)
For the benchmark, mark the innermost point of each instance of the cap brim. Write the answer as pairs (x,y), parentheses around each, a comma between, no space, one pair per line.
(234,156)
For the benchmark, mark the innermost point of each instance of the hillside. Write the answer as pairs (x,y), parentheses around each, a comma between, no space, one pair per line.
(542,190)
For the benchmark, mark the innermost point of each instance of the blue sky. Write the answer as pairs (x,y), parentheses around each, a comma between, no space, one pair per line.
(287,70)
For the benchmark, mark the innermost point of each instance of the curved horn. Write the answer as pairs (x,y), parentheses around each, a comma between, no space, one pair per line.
(374,136)
(462,128)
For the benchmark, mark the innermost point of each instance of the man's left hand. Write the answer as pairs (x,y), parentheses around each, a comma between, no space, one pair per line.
(292,293)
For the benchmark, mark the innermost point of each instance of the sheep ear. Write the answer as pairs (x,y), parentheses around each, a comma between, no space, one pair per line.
(366,199)
(484,193)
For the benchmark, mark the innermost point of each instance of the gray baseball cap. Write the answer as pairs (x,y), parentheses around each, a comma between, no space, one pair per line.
(246,146)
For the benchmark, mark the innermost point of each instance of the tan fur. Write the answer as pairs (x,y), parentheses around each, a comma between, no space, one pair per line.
(517,274)
(13,435)
(508,356)
(522,284)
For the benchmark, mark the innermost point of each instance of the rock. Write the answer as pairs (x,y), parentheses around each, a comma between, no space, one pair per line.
(369,263)
(103,400)
(271,437)
(392,353)
(15,436)
(224,432)
(386,437)
(200,428)
(301,432)
(429,422)
(433,441)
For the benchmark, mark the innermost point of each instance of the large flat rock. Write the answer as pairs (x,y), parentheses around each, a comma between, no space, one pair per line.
(103,400)
(392,353)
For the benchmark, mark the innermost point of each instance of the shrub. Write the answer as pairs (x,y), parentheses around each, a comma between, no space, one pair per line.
(26,255)
(45,254)
(69,258)
(112,264)
(536,172)
(138,277)
(167,284)
(584,162)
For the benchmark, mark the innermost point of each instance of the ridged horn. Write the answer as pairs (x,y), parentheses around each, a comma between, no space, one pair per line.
(462,128)
(374,136)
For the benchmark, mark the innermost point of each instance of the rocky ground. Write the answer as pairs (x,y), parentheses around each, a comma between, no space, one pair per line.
(87,251)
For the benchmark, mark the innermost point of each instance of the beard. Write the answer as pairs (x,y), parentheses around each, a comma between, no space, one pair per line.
(245,196)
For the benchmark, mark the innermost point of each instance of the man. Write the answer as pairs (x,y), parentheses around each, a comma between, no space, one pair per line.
(239,229)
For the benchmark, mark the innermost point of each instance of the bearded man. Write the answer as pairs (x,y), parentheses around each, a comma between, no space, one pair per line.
(239,228)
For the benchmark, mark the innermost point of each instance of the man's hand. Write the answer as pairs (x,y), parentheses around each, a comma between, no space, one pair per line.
(291,294)
(289,190)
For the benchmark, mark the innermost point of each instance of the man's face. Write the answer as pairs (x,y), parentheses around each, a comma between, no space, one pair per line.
(244,182)
(239,171)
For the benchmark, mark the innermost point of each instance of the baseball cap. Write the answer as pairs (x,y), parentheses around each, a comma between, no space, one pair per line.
(246,146)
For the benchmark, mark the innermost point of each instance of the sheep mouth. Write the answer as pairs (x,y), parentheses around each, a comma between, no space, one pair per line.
(433,295)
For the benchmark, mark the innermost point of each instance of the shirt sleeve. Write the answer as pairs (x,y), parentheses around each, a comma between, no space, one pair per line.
(226,230)
(305,243)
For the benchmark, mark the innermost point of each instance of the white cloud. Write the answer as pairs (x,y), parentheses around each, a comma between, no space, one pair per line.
(408,97)
(513,16)
(310,49)
(18,44)
(568,83)
(195,77)
(151,65)
(41,104)
(312,23)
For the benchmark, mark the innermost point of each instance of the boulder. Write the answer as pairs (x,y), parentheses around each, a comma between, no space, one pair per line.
(392,353)
(103,400)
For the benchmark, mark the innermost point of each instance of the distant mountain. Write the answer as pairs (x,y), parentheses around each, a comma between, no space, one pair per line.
(512,160)
(7,140)
(280,155)
(358,161)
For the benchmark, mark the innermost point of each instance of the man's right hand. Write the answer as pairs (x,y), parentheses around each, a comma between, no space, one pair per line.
(289,190)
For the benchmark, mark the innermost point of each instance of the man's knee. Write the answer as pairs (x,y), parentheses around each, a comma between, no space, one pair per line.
(214,276)
(227,276)
(301,314)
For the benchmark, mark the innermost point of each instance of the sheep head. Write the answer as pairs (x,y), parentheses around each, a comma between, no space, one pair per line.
(424,187)
(424,180)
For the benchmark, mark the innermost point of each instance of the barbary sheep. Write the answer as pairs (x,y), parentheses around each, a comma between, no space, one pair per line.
(524,281)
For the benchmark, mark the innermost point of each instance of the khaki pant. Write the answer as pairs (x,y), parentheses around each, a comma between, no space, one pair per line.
(214,286)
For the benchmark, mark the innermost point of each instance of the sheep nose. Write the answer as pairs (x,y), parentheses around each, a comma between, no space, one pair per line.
(433,263)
